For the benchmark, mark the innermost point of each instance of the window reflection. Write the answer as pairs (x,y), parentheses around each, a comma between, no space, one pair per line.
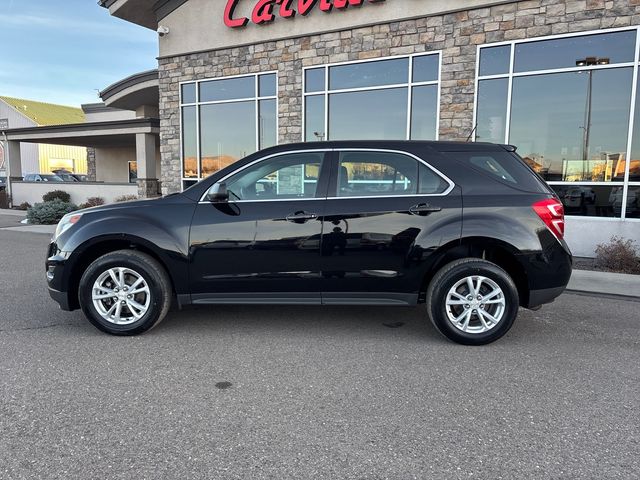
(314,118)
(370,174)
(634,167)
(633,201)
(591,200)
(369,115)
(426,68)
(424,112)
(369,74)
(491,116)
(286,176)
(572,126)
(617,47)
(228,89)
(314,80)
(233,122)
(268,116)
(228,133)
(495,60)
(189,142)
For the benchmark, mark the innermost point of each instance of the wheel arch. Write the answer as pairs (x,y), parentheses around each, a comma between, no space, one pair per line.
(93,249)
(496,251)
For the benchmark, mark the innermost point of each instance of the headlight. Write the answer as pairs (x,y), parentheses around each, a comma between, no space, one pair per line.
(66,223)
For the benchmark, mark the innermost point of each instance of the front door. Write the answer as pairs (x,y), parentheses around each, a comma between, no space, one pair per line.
(263,244)
(386,213)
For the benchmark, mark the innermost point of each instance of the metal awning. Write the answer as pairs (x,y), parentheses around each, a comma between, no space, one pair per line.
(119,133)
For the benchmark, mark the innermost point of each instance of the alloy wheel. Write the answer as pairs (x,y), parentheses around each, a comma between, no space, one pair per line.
(121,295)
(475,304)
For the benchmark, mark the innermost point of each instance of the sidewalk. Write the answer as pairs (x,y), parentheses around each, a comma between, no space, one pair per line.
(10,220)
(605,283)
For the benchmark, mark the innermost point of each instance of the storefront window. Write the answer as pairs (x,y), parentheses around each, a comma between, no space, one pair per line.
(615,47)
(492,110)
(228,119)
(566,106)
(389,99)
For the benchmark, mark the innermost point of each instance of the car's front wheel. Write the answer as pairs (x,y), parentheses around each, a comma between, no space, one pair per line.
(472,301)
(125,292)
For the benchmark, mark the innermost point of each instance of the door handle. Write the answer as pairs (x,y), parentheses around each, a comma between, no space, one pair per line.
(423,209)
(301,217)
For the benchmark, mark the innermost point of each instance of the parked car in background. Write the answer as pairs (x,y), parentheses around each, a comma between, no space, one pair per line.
(3,183)
(466,228)
(68,176)
(42,177)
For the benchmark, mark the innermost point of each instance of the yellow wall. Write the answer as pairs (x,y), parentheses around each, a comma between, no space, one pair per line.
(51,154)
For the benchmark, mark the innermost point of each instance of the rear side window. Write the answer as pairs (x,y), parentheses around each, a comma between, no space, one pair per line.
(503,166)
(385,173)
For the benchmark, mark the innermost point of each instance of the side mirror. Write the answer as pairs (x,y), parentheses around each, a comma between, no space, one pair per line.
(218,193)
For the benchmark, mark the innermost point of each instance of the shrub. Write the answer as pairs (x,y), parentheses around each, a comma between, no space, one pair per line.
(59,194)
(125,198)
(49,213)
(619,255)
(92,202)
(24,206)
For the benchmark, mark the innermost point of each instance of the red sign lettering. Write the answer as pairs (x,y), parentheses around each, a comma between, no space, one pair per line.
(265,11)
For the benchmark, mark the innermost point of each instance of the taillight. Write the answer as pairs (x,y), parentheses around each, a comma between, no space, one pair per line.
(551,212)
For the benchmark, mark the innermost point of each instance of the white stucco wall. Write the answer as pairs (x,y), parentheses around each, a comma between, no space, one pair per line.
(111,163)
(583,234)
(198,25)
(109,115)
(33,192)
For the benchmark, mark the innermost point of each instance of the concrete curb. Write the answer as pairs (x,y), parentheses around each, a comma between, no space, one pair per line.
(42,229)
(15,213)
(605,284)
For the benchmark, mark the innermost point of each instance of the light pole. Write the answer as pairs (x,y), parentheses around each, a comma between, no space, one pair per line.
(588,62)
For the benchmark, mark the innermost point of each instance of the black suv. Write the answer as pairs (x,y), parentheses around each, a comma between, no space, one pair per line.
(467,228)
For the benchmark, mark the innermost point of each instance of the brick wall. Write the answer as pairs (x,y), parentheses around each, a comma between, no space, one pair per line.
(456,34)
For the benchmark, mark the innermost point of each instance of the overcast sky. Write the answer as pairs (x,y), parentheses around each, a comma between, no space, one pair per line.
(62,51)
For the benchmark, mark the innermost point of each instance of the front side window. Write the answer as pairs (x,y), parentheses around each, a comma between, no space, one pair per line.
(287,176)
(224,120)
(370,174)
(389,99)
(565,103)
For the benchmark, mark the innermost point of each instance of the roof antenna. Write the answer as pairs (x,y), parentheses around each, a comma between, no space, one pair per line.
(475,127)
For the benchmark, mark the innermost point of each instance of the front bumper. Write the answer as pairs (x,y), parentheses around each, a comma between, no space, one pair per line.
(56,281)
(62,298)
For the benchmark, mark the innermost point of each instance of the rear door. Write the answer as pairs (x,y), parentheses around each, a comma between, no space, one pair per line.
(386,213)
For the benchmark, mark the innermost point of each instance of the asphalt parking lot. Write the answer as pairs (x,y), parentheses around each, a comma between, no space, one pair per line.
(301,393)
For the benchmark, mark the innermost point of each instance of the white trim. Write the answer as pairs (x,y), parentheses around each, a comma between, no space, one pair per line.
(507,124)
(632,112)
(327,92)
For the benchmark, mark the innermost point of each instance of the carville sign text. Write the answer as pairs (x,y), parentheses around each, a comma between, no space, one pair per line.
(265,11)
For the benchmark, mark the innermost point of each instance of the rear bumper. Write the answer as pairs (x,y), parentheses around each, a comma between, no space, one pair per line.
(546,295)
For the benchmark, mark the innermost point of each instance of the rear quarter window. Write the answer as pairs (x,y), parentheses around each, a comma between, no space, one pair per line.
(504,167)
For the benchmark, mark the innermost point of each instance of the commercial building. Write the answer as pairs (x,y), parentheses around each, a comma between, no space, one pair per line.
(557,78)
(42,157)
(120,138)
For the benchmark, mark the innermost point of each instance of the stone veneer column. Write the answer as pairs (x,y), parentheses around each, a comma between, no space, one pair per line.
(91,164)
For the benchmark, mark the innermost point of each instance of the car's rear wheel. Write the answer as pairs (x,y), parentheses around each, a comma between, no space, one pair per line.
(472,301)
(125,292)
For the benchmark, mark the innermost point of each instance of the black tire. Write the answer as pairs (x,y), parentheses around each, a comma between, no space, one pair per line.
(452,273)
(153,274)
